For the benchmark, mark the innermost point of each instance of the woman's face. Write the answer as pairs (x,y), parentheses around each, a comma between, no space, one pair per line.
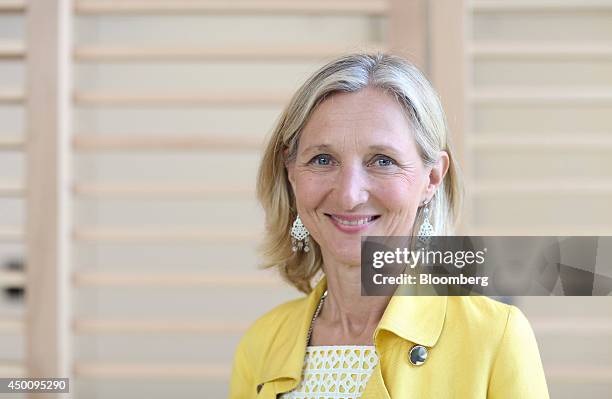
(358,172)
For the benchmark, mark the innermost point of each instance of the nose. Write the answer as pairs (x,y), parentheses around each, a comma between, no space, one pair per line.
(352,187)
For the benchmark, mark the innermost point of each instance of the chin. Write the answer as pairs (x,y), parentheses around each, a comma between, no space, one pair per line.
(350,256)
(346,251)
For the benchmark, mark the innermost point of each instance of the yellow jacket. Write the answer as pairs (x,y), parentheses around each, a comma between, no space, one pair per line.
(478,348)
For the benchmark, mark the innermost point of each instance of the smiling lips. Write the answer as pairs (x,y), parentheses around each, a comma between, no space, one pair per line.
(352,223)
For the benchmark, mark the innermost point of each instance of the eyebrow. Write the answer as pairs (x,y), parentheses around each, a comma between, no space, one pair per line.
(382,148)
(319,147)
(327,147)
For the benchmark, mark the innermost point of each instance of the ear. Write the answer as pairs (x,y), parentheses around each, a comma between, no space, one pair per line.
(436,176)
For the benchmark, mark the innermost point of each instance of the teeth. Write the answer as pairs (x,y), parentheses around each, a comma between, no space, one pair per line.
(352,222)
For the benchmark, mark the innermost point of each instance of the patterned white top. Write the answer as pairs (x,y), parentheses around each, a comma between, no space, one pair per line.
(338,371)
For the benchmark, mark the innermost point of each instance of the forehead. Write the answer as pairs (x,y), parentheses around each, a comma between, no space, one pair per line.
(371,116)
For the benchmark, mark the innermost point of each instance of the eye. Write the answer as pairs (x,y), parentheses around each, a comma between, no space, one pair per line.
(321,160)
(383,161)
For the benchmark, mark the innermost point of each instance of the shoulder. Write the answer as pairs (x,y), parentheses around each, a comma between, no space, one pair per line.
(484,318)
(261,332)
(516,369)
(281,314)
(479,309)
(499,329)
(507,350)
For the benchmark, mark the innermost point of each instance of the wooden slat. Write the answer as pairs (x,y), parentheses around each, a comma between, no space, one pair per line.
(408,31)
(12,369)
(49,29)
(164,235)
(578,373)
(251,53)
(219,98)
(11,326)
(11,97)
(541,142)
(446,45)
(11,50)
(574,326)
(539,6)
(11,6)
(545,187)
(148,142)
(92,326)
(12,278)
(540,96)
(144,190)
(540,230)
(151,370)
(13,190)
(342,7)
(540,50)
(12,142)
(99,279)
(11,234)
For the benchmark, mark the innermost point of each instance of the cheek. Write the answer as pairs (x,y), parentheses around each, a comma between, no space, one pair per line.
(311,189)
(397,195)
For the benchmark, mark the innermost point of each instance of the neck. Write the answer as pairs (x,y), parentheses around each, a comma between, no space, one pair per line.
(349,317)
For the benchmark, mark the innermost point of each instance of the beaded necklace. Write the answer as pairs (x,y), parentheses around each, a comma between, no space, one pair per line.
(314,317)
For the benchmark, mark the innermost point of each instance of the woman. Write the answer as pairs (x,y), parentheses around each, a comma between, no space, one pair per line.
(363,149)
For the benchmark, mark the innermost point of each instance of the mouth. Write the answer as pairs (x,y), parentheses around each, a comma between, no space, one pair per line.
(352,221)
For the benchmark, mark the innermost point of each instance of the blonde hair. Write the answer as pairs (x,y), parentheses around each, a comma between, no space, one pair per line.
(347,74)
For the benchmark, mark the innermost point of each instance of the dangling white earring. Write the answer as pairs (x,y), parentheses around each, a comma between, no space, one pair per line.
(299,236)
(427,230)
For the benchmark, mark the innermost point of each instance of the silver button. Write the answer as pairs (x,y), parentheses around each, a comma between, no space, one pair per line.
(417,355)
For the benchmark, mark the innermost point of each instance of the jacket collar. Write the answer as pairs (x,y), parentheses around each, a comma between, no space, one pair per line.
(418,319)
